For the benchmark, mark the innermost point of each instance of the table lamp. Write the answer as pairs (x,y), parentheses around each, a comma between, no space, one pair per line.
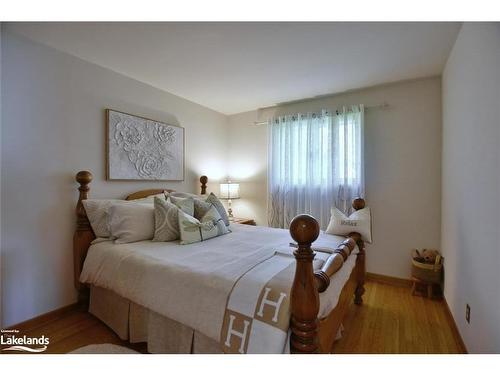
(229,191)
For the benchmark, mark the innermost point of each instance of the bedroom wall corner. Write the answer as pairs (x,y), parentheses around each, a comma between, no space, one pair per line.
(471,184)
(53,126)
(1,306)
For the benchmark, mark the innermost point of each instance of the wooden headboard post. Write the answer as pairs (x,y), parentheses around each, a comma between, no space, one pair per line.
(83,236)
(203,180)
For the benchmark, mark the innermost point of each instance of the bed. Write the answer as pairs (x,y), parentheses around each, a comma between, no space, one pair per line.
(251,291)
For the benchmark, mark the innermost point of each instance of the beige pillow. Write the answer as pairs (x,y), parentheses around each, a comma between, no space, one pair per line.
(359,221)
(193,230)
(132,222)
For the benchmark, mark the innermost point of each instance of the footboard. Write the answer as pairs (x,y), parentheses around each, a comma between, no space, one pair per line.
(307,284)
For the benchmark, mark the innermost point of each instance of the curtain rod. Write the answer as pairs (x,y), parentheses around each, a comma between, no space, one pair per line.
(384,105)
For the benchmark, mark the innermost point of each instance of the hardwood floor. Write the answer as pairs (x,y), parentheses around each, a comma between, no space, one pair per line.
(390,320)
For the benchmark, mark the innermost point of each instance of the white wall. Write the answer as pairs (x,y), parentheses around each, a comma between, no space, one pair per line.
(403,166)
(53,126)
(471,173)
(1,308)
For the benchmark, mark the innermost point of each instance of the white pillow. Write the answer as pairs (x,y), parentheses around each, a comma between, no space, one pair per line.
(131,222)
(98,215)
(359,221)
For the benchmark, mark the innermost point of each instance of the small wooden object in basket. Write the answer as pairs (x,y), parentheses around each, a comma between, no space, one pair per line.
(426,271)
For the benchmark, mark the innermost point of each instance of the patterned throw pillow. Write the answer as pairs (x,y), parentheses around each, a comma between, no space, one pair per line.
(185,204)
(166,221)
(219,206)
(201,207)
(194,230)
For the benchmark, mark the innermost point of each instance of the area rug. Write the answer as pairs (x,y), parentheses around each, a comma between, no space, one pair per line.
(103,349)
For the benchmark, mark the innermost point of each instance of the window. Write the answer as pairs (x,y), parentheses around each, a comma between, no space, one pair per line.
(315,162)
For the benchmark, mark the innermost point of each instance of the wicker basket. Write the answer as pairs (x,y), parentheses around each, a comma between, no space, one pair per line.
(428,273)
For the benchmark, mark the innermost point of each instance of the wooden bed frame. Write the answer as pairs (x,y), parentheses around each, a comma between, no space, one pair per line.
(309,334)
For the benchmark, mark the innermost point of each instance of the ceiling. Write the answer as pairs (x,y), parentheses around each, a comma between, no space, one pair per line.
(236,67)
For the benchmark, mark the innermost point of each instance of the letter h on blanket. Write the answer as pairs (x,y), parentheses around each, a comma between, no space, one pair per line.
(242,335)
(274,304)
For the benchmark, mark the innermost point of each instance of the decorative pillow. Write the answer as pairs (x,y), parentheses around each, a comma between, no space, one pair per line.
(185,204)
(194,230)
(201,207)
(166,221)
(359,221)
(219,206)
(97,213)
(131,222)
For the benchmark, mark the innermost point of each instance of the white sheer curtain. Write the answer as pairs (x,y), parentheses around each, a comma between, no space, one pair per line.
(315,162)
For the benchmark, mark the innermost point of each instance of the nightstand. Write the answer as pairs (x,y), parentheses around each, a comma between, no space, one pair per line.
(243,221)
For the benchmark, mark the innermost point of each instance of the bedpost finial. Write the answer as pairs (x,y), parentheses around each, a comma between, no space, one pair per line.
(203,180)
(84,177)
(358,203)
(304,229)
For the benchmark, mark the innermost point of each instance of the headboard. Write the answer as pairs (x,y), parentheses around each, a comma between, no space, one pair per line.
(84,234)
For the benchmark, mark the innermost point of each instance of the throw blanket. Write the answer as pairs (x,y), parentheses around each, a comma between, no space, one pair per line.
(257,315)
(196,284)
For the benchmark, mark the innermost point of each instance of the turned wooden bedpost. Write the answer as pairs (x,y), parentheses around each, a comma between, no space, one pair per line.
(304,324)
(358,204)
(83,236)
(334,262)
(203,180)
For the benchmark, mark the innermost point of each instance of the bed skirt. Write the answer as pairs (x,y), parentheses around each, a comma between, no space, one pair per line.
(135,323)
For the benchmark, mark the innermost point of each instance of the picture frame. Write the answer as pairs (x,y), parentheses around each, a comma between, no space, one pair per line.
(143,149)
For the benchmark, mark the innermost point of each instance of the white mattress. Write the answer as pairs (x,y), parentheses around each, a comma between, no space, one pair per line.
(187,283)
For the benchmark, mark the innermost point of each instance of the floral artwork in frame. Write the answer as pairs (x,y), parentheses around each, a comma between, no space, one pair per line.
(143,149)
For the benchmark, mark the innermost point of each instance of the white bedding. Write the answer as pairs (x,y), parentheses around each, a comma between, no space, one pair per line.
(191,283)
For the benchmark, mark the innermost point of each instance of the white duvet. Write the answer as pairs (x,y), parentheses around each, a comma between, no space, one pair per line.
(191,283)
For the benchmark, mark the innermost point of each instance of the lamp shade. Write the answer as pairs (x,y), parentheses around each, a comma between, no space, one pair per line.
(229,191)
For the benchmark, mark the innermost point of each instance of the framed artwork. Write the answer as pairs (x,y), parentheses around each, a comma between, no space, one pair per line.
(139,148)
